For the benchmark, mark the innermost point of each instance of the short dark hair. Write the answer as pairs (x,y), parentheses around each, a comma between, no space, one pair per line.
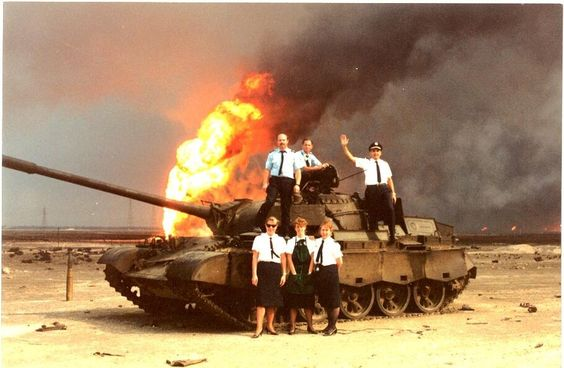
(307,139)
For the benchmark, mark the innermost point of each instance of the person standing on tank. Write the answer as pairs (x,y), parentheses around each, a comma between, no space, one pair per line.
(311,164)
(282,175)
(328,259)
(268,274)
(299,292)
(380,195)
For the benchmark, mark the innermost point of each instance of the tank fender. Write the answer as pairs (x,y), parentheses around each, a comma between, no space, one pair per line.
(120,258)
(447,265)
(219,268)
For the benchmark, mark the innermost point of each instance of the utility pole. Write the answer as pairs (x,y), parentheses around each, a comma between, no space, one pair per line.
(44,220)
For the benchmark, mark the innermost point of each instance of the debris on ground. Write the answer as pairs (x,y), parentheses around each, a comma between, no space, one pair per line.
(530,307)
(538,345)
(538,258)
(186,362)
(107,354)
(56,326)
(466,307)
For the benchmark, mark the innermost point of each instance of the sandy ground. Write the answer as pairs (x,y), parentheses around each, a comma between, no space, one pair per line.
(497,333)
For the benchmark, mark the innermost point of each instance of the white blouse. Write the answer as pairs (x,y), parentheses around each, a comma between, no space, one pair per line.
(310,243)
(331,251)
(261,244)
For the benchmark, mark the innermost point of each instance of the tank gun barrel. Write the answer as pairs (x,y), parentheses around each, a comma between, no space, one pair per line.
(32,168)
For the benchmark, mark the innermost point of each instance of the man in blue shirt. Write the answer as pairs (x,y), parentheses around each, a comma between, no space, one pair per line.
(282,175)
(312,167)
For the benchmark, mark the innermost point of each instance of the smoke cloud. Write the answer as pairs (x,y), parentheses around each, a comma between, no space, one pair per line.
(466,100)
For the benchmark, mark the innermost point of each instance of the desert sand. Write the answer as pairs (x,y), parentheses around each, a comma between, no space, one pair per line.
(103,329)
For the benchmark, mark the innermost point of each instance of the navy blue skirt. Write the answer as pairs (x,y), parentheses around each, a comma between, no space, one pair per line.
(326,282)
(269,293)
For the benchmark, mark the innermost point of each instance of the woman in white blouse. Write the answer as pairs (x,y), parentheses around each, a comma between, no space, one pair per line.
(299,283)
(328,259)
(268,275)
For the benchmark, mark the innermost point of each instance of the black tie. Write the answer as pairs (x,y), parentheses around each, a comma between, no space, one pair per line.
(319,258)
(281,162)
(272,254)
(378,172)
(307,161)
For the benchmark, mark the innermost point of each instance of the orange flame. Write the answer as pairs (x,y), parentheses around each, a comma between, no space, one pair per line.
(207,163)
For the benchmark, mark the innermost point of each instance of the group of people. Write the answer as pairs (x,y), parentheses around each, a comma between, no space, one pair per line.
(291,274)
(285,169)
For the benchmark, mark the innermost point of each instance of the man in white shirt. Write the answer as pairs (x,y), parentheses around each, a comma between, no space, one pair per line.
(380,195)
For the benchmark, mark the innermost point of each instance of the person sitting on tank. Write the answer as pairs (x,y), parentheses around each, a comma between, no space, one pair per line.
(328,259)
(282,175)
(311,167)
(299,292)
(268,272)
(380,195)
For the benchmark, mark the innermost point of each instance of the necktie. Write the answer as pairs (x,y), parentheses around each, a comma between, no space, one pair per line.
(319,258)
(378,172)
(307,161)
(281,162)
(272,253)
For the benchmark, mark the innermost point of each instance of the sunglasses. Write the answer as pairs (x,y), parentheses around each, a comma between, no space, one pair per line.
(271,225)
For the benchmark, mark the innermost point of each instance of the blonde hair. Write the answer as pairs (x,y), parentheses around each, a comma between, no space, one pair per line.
(272,218)
(300,221)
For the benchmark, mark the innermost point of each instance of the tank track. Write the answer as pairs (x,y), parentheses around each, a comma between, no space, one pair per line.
(157,305)
(191,292)
(149,303)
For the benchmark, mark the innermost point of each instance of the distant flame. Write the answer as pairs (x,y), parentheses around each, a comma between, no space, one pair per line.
(226,139)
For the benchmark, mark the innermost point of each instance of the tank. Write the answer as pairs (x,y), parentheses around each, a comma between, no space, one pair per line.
(423,271)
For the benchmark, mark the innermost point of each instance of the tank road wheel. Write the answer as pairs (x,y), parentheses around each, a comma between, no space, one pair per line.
(392,299)
(319,314)
(429,295)
(356,302)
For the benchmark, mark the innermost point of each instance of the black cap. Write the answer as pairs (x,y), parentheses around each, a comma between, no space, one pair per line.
(375,145)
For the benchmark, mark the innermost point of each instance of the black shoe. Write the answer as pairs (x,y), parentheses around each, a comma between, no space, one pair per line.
(330,332)
(291,332)
(268,332)
(256,336)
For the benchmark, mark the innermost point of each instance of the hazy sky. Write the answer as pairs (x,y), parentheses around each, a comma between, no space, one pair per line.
(466,100)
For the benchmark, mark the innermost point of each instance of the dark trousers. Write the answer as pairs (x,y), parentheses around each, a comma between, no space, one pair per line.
(380,206)
(283,186)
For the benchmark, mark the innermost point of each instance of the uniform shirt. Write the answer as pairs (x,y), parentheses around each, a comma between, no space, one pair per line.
(370,173)
(331,251)
(292,162)
(313,161)
(292,244)
(261,244)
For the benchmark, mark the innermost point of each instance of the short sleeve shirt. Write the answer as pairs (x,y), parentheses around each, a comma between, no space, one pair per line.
(305,157)
(331,251)
(292,162)
(261,244)
(370,172)
(310,243)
